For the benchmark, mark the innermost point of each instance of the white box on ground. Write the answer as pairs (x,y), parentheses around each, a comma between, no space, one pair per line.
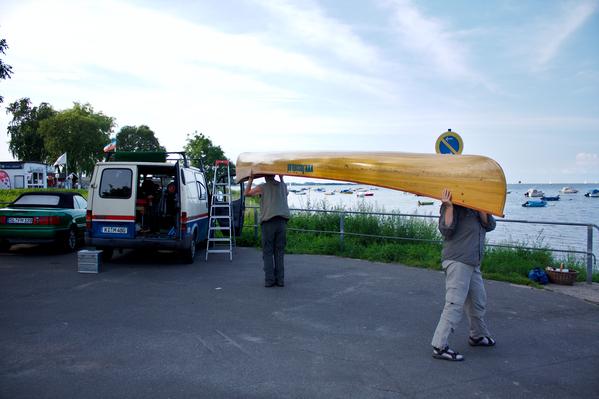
(89,261)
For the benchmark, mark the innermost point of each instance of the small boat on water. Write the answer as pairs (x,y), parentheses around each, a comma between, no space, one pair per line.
(329,193)
(568,190)
(422,203)
(346,191)
(593,193)
(534,204)
(550,198)
(533,192)
(364,194)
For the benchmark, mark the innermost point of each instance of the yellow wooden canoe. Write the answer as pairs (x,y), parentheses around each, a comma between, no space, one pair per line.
(475,181)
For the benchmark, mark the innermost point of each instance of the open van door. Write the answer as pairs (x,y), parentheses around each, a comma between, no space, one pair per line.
(113,192)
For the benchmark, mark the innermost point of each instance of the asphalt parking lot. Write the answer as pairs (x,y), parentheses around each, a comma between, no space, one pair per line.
(148,326)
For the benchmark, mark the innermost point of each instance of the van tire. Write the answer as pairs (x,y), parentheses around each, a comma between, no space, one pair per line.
(189,254)
(106,253)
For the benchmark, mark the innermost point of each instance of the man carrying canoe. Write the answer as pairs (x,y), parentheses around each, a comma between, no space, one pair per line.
(274,214)
(463,232)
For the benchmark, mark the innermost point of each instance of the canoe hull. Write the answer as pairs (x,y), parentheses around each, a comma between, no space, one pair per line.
(476,182)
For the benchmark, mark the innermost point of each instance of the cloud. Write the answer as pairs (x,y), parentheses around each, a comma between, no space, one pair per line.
(560,29)
(432,40)
(314,28)
(587,160)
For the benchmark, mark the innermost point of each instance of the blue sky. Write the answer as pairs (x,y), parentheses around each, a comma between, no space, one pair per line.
(519,81)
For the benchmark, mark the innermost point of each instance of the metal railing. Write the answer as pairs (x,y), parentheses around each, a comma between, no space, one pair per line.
(591,259)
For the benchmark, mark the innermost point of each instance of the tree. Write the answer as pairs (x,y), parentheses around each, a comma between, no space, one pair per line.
(5,70)
(26,143)
(80,132)
(133,138)
(203,152)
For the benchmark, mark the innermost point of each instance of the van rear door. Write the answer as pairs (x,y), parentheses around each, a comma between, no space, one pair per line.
(113,202)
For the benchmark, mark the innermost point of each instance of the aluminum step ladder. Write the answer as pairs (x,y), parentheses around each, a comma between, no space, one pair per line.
(221,200)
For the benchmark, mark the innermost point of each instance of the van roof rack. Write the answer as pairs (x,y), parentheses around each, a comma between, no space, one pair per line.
(144,156)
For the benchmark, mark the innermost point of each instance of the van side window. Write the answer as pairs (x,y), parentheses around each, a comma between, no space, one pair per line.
(201,185)
(191,186)
(116,183)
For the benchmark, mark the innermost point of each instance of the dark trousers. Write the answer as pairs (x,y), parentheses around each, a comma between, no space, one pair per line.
(274,238)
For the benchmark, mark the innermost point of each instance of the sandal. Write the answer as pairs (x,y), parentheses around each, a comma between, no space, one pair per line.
(447,354)
(481,341)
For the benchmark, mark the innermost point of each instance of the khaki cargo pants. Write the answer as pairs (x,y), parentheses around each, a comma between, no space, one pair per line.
(464,291)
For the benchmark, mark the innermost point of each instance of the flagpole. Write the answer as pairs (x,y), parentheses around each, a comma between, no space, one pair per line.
(66,169)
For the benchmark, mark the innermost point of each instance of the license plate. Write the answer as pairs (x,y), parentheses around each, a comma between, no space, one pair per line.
(114,230)
(20,220)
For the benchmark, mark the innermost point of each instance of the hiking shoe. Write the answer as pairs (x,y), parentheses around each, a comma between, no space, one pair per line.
(447,354)
(481,341)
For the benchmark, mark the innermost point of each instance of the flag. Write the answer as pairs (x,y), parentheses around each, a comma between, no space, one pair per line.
(62,160)
(110,146)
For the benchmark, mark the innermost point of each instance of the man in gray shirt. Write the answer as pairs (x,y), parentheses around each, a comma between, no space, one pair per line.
(274,214)
(463,233)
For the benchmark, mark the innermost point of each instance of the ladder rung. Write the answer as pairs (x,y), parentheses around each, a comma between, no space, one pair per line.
(222,184)
(219,239)
(219,228)
(219,251)
(220,217)
(221,205)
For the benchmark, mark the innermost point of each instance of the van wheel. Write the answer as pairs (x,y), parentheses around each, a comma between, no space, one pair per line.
(107,254)
(70,240)
(189,254)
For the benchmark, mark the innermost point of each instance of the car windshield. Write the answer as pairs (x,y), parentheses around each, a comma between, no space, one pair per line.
(37,200)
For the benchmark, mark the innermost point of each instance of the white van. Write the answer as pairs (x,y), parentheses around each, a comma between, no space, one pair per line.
(139,200)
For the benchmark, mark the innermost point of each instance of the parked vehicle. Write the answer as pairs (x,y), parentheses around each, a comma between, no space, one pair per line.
(533,192)
(593,193)
(44,217)
(534,204)
(143,200)
(568,190)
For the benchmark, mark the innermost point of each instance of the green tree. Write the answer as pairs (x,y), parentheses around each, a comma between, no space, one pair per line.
(80,132)
(203,152)
(26,143)
(133,138)
(5,70)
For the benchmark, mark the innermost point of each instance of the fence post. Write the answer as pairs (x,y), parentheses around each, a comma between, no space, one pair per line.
(256,224)
(589,254)
(341,229)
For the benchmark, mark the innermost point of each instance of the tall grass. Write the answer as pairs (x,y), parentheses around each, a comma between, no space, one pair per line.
(416,243)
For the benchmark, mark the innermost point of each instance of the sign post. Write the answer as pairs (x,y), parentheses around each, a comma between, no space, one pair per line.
(449,143)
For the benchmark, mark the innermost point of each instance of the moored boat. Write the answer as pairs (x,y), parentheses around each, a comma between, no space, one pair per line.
(476,182)
(422,203)
(534,204)
(568,190)
(593,193)
(533,192)
(550,198)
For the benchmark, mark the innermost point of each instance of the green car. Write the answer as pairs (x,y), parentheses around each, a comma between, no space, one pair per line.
(44,217)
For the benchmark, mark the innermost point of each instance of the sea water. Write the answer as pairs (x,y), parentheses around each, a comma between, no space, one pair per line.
(571,208)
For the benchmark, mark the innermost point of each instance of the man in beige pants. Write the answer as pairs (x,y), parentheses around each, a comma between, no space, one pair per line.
(463,232)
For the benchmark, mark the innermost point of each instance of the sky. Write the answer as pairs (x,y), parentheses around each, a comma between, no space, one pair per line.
(518,80)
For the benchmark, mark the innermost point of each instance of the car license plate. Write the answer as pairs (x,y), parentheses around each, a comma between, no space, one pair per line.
(20,220)
(114,230)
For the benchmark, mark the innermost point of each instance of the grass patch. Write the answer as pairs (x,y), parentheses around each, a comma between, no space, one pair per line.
(417,248)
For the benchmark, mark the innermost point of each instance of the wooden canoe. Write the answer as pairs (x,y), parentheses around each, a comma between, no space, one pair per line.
(475,181)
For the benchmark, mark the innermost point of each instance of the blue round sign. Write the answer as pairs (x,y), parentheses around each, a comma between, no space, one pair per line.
(449,143)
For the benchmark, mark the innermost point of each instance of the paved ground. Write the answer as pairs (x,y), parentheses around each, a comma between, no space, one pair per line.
(149,327)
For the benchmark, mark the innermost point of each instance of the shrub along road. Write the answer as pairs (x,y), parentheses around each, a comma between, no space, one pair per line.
(148,326)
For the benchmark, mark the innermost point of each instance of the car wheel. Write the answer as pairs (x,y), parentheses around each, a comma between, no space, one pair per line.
(4,245)
(70,240)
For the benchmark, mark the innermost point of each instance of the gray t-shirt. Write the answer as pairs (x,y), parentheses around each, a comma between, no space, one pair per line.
(464,239)
(273,201)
